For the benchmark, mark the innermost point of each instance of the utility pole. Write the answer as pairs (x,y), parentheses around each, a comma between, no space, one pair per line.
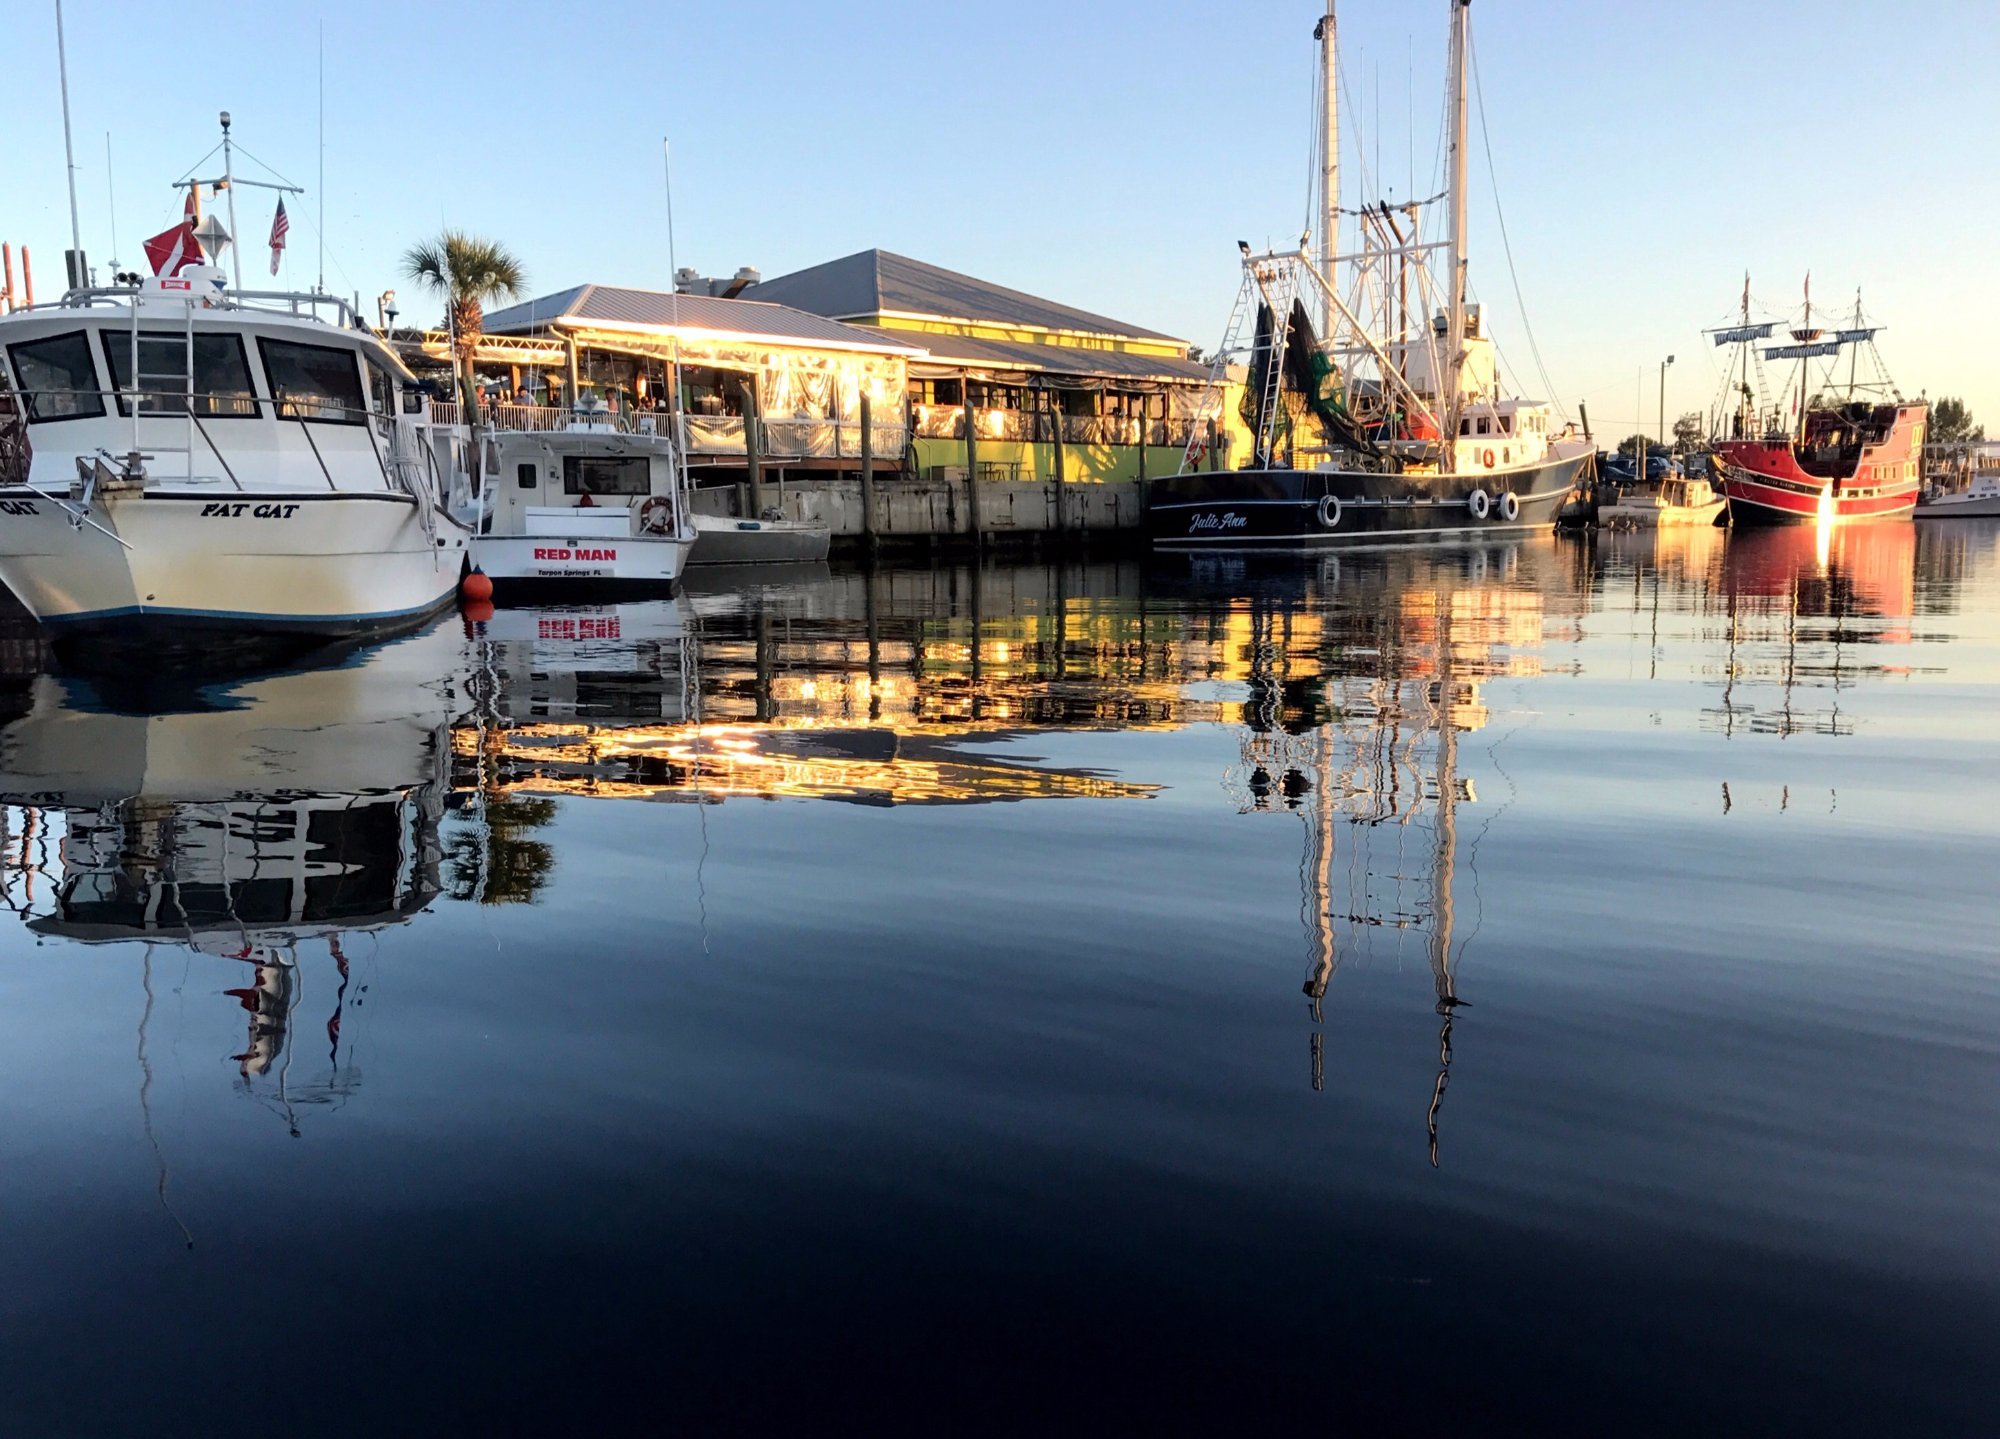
(1663,404)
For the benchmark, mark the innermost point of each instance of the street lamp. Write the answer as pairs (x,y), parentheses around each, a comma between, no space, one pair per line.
(1663,406)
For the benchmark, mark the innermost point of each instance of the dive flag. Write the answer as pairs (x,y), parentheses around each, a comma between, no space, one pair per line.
(280,227)
(173,250)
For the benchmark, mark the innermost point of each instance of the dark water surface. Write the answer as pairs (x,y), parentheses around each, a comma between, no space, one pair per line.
(1542,988)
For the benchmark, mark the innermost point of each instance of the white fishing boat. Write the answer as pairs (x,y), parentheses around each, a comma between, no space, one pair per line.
(1970,492)
(1675,501)
(213,469)
(591,505)
(727,540)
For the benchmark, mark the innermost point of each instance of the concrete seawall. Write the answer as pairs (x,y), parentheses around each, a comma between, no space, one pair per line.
(939,513)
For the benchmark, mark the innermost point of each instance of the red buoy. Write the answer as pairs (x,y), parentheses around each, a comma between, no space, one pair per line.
(476,586)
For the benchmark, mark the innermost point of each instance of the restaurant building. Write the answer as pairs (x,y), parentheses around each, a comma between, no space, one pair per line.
(800,374)
(1047,390)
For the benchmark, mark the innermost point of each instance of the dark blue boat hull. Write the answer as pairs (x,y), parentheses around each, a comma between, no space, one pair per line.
(1313,509)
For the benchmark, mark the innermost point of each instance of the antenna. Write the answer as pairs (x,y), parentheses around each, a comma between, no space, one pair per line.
(74,260)
(111,189)
(674,313)
(320,286)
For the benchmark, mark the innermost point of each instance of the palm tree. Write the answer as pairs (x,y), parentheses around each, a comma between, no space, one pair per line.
(468,272)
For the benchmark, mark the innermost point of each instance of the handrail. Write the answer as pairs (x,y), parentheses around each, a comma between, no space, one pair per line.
(90,297)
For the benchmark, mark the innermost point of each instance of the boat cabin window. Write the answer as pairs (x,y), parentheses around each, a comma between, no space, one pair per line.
(381,390)
(56,377)
(221,374)
(313,382)
(527,476)
(602,475)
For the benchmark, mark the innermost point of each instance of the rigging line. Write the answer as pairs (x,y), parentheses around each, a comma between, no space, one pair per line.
(1507,245)
(196,166)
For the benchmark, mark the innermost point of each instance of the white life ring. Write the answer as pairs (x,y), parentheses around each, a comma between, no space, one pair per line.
(1329,511)
(1479,504)
(1510,508)
(656,516)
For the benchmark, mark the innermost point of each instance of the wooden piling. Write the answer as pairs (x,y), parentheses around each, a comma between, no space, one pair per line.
(753,444)
(1056,429)
(971,467)
(869,536)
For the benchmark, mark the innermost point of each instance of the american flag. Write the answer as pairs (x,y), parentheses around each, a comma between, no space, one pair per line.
(281,226)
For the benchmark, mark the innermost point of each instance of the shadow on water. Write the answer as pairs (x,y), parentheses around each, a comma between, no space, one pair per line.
(1384,980)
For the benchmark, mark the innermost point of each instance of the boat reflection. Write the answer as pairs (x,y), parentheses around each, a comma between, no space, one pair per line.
(265,822)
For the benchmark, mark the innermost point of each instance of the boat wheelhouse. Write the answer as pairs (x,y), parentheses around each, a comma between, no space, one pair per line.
(216,469)
(592,504)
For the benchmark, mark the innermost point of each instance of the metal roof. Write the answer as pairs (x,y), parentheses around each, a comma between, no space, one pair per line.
(880,282)
(1069,360)
(611,307)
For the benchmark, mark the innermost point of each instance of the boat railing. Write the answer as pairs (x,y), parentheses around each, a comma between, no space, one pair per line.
(298,303)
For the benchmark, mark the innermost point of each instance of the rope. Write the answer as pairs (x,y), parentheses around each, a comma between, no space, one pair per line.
(1506,245)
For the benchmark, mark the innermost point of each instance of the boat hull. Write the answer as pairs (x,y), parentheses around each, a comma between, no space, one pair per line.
(1961,507)
(539,563)
(720,540)
(1290,509)
(159,573)
(1758,499)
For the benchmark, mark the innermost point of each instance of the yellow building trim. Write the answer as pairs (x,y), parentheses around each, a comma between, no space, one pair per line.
(1023,334)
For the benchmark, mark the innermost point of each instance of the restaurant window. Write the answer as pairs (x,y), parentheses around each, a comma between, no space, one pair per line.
(221,374)
(56,378)
(313,382)
(595,475)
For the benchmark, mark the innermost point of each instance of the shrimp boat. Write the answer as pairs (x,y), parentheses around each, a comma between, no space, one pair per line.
(587,506)
(1371,397)
(1828,449)
(213,470)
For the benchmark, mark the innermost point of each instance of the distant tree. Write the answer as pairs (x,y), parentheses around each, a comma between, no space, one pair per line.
(1690,430)
(1951,422)
(1630,444)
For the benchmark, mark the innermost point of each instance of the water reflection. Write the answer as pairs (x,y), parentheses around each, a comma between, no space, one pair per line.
(266,823)
(1386,958)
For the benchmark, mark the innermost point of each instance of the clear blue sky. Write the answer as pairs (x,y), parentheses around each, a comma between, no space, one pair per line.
(1108,154)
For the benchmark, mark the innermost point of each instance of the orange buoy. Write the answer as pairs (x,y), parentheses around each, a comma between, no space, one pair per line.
(476,586)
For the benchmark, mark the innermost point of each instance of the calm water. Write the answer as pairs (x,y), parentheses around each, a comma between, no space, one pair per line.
(1545,987)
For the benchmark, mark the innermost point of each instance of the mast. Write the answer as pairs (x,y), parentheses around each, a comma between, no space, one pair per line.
(79,277)
(229,184)
(1329,163)
(1455,335)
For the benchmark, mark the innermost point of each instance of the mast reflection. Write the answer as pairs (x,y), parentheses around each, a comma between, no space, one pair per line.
(1356,697)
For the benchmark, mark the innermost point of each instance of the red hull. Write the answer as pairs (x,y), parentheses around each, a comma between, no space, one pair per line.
(1861,463)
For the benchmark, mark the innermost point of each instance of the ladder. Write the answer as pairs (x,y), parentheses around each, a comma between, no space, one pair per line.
(163,366)
(1218,377)
(1277,287)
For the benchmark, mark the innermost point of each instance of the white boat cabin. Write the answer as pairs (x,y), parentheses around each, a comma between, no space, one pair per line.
(193,390)
(590,480)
